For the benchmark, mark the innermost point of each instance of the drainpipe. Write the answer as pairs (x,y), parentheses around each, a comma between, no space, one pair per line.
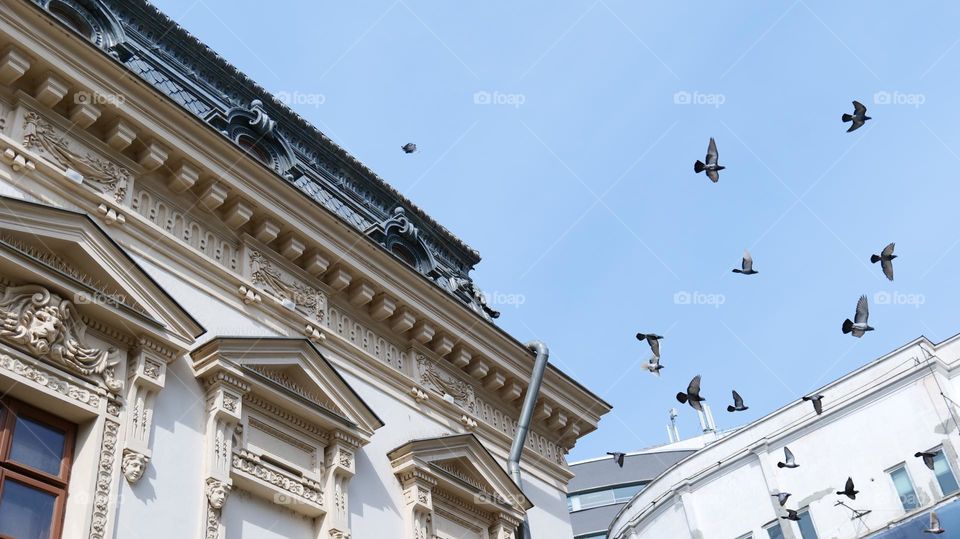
(526,413)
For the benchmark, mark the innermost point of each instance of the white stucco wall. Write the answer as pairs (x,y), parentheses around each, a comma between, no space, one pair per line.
(874,420)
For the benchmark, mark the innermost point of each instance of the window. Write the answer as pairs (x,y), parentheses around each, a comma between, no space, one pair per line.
(36,450)
(746,536)
(807,531)
(945,477)
(601,535)
(773,530)
(71,18)
(904,486)
(597,498)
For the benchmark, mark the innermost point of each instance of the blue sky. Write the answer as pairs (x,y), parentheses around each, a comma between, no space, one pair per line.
(571,172)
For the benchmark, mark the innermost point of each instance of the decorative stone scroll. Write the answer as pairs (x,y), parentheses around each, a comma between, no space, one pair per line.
(49,326)
(270,279)
(431,376)
(109,177)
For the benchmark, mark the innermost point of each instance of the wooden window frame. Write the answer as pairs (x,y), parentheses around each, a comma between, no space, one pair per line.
(57,485)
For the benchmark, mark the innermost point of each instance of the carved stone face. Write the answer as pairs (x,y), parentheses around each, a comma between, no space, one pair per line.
(43,328)
(133,466)
(216,494)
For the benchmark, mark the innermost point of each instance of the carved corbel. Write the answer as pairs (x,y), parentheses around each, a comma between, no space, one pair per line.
(505,527)
(111,216)
(418,498)
(224,400)
(147,372)
(339,468)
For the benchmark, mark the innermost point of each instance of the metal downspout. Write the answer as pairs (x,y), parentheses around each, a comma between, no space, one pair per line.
(526,413)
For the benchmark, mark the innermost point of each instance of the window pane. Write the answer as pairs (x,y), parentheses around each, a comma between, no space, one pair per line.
(807,531)
(775,532)
(623,494)
(37,445)
(948,483)
(25,512)
(595,499)
(908,497)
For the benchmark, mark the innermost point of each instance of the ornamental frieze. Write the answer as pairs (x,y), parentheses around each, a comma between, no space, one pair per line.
(270,279)
(40,135)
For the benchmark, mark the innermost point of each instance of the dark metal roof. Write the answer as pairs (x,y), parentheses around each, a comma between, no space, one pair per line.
(599,473)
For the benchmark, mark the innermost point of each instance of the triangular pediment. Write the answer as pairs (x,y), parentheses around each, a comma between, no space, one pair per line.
(291,374)
(460,463)
(69,254)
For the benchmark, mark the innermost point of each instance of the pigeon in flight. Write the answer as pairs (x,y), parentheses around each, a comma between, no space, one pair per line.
(692,395)
(791,462)
(817,401)
(927,458)
(746,264)
(653,365)
(792,515)
(711,166)
(885,258)
(617,457)
(409,147)
(848,490)
(781,497)
(859,325)
(934,524)
(737,403)
(858,117)
(653,340)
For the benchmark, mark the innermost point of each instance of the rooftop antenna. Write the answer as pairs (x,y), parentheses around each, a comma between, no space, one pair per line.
(672,432)
(857,513)
(706,420)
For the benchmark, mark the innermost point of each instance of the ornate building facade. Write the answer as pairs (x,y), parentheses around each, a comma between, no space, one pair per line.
(216,323)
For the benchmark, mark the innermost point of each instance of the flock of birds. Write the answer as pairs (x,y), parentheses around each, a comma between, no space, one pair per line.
(856,327)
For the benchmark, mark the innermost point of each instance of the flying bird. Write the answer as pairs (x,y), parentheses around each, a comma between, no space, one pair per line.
(746,265)
(711,166)
(934,524)
(653,365)
(817,401)
(885,258)
(858,117)
(617,457)
(848,490)
(792,515)
(927,458)
(409,147)
(737,403)
(692,395)
(781,497)
(791,462)
(859,325)
(653,340)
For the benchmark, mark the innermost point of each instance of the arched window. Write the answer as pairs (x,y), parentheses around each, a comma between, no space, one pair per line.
(404,254)
(250,146)
(70,18)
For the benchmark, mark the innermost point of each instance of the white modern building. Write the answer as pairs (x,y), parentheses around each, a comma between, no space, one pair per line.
(217,323)
(874,421)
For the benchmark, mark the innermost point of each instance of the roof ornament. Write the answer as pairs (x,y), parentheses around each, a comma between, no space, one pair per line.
(261,122)
(406,227)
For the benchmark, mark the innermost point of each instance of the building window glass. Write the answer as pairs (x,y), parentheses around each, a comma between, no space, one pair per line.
(807,531)
(746,536)
(598,498)
(773,530)
(36,450)
(941,468)
(904,486)
(601,535)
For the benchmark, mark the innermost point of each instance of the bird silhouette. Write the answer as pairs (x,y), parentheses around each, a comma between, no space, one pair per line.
(885,258)
(790,460)
(409,147)
(781,497)
(934,524)
(817,401)
(653,365)
(859,326)
(617,457)
(792,515)
(737,403)
(927,458)
(692,395)
(653,340)
(858,117)
(711,167)
(746,265)
(848,490)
